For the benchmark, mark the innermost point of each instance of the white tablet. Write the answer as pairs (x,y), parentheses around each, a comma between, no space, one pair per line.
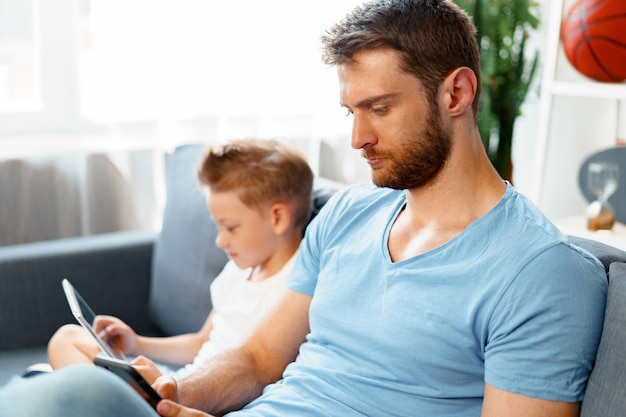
(85,316)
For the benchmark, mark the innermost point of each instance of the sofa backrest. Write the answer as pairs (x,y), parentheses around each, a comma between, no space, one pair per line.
(605,395)
(606,390)
(186,259)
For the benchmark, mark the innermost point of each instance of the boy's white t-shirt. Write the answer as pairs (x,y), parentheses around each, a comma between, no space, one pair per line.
(239,304)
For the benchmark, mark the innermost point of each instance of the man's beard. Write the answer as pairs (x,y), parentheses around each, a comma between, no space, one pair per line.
(422,157)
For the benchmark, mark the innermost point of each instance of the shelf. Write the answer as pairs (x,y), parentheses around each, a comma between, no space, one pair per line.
(552,87)
(589,89)
(577,226)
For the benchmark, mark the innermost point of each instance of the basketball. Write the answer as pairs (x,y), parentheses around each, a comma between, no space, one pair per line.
(594,39)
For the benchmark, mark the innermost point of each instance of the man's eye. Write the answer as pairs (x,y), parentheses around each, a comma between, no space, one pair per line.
(349,113)
(380,110)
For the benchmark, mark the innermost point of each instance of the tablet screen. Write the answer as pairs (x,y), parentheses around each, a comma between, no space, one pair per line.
(85,316)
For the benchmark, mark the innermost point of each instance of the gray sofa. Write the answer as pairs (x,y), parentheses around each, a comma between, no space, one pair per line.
(159,284)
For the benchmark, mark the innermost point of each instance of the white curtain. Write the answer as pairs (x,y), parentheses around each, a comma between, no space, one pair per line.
(226,68)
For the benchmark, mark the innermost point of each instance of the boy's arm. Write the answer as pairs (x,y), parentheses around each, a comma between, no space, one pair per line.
(175,350)
(499,403)
(231,380)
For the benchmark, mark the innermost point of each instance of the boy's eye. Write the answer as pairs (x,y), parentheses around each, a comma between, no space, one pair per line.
(229,228)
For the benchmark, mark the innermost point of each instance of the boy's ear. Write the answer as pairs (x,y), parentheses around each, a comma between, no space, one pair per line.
(459,89)
(281,217)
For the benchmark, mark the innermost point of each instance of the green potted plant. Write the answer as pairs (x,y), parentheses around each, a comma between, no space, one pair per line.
(503,30)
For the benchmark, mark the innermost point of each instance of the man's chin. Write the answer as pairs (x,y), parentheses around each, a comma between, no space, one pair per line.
(386,178)
(382,182)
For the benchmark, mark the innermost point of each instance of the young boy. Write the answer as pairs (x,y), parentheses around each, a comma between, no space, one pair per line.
(259,194)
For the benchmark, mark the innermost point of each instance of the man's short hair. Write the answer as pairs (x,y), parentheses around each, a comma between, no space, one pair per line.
(433,37)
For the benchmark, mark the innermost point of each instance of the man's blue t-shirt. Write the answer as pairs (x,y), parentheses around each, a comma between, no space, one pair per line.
(508,302)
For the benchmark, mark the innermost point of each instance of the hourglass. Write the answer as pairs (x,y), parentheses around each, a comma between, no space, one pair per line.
(602,179)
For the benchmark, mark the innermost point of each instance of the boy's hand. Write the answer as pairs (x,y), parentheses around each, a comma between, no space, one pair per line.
(116,333)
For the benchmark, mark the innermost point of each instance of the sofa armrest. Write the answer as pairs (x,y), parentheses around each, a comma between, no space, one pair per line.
(111,271)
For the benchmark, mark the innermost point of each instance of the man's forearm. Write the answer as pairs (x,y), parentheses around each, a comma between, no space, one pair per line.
(232,379)
(226,382)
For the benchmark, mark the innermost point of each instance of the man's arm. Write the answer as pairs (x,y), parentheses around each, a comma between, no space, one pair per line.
(499,403)
(232,379)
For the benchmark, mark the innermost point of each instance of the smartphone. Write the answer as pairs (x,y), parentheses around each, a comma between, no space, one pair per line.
(129,374)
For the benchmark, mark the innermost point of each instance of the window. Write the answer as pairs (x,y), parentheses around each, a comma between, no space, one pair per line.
(19,78)
(181,68)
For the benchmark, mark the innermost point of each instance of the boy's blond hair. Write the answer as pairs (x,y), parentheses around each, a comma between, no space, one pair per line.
(261,172)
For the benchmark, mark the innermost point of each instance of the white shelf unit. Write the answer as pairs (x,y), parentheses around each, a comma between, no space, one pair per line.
(552,87)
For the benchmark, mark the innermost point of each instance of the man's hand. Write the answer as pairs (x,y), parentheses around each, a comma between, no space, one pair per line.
(166,387)
(146,368)
(168,407)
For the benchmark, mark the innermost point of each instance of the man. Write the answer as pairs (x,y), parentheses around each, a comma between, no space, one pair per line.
(441,292)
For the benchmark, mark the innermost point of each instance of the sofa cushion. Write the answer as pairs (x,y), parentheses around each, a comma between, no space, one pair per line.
(605,253)
(185,259)
(605,395)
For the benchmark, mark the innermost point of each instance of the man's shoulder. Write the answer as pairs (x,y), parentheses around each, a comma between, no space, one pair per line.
(517,230)
(357,203)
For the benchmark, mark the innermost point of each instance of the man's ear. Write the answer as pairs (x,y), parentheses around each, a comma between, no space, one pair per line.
(459,88)
(281,217)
